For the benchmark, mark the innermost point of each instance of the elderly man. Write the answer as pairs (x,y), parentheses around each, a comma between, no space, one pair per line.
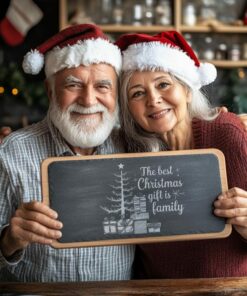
(81,68)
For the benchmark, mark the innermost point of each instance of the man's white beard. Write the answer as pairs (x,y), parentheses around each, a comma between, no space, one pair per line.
(83,132)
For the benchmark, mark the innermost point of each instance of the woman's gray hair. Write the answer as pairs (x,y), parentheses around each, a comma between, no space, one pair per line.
(139,140)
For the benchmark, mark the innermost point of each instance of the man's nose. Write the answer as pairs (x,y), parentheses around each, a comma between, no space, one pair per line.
(87,97)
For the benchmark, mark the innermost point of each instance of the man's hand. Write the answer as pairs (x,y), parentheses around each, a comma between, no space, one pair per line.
(33,222)
(232,205)
(4,132)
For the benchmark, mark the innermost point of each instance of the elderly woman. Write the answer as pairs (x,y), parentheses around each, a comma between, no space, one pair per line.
(163,108)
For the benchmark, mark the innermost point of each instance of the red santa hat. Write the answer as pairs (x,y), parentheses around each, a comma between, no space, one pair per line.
(167,51)
(83,44)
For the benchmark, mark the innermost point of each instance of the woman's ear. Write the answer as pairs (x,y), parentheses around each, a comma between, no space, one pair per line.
(188,95)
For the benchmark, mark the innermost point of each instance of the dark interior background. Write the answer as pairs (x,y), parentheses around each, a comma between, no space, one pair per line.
(31,103)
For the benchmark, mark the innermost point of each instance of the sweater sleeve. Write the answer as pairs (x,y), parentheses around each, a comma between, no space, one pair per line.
(227,134)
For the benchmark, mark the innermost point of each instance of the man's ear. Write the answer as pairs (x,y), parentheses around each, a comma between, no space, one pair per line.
(48,89)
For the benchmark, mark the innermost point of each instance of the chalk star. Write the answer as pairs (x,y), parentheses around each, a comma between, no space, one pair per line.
(121,166)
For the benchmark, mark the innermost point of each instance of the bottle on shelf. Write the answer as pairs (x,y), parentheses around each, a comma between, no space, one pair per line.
(208,10)
(221,52)
(137,18)
(106,11)
(163,13)
(189,14)
(208,51)
(148,12)
(117,14)
(234,52)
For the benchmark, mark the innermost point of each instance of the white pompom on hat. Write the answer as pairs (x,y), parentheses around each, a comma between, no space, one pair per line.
(167,51)
(77,45)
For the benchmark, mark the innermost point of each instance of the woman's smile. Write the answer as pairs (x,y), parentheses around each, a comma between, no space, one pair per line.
(160,114)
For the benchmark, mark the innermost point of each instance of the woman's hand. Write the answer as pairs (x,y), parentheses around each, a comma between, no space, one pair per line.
(232,205)
(33,222)
(243,118)
(4,132)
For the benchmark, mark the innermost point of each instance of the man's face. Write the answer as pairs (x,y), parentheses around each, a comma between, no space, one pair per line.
(83,105)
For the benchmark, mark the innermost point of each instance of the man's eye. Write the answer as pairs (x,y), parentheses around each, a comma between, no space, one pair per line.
(74,85)
(103,87)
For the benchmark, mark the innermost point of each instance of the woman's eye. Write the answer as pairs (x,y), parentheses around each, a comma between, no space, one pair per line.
(136,95)
(163,85)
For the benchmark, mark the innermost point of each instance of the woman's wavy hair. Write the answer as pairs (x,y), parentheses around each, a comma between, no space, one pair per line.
(139,140)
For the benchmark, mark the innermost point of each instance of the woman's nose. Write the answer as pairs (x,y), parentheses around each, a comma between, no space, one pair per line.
(154,98)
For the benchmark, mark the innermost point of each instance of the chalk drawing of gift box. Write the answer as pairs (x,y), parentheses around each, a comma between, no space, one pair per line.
(153,227)
(125,226)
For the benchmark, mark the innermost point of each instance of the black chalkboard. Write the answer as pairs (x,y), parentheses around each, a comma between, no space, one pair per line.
(136,198)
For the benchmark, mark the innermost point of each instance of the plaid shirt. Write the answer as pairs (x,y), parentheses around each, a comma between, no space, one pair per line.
(20,157)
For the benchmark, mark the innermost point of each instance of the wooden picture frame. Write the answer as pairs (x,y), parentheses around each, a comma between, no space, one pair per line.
(137,197)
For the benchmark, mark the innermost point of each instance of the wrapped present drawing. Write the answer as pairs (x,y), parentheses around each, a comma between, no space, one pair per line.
(154,227)
(109,226)
(140,226)
(125,226)
(140,216)
(106,226)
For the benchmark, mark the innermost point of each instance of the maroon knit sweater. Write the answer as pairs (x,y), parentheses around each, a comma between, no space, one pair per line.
(204,258)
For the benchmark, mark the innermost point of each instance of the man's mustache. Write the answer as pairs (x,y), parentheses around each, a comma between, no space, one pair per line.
(86,110)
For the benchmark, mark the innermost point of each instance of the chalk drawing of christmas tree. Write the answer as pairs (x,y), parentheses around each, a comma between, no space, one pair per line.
(121,199)
(127,213)
(121,205)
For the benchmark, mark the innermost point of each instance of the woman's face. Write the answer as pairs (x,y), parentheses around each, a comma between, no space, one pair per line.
(157,102)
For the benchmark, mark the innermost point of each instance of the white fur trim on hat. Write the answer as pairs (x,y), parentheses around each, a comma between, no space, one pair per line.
(90,51)
(153,55)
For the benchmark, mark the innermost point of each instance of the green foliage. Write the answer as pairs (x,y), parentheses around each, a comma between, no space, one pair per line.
(239,90)
(30,93)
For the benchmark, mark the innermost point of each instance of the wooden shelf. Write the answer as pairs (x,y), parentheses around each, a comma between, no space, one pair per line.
(229,64)
(129,28)
(111,28)
(213,29)
(177,25)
